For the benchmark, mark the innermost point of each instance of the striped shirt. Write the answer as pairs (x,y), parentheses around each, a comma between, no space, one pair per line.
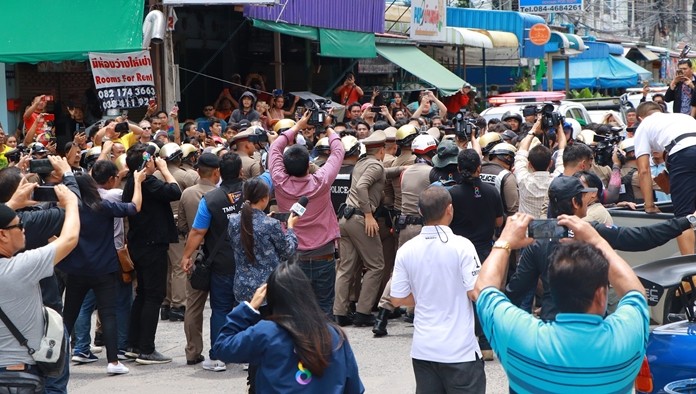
(576,353)
(534,186)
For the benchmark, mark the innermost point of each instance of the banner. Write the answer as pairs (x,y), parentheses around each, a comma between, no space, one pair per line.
(428,20)
(123,80)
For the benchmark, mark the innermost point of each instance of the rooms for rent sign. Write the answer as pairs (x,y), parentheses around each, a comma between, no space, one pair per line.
(123,80)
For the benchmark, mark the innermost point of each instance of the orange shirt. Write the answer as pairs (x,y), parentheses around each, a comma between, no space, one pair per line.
(349,95)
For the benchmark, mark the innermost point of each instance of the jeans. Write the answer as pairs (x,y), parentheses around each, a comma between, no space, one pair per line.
(124,300)
(222,302)
(151,267)
(105,290)
(59,385)
(435,378)
(322,274)
(83,324)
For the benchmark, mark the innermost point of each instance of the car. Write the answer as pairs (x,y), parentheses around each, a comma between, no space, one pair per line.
(568,109)
(669,365)
(634,95)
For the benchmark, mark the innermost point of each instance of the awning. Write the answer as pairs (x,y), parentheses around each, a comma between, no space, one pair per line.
(564,42)
(643,74)
(501,39)
(599,73)
(640,53)
(468,37)
(54,31)
(422,66)
(332,43)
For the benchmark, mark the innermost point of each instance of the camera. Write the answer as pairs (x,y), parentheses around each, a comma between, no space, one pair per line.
(258,136)
(464,125)
(318,109)
(605,146)
(550,118)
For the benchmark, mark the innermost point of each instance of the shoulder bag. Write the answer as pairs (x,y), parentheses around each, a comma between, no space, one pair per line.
(126,264)
(202,267)
(51,356)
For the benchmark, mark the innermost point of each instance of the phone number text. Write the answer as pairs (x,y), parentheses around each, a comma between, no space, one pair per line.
(551,8)
(126,97)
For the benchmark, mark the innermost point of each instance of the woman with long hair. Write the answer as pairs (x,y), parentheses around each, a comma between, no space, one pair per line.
(296,348)
(277,110)
(93,264)
(398,104)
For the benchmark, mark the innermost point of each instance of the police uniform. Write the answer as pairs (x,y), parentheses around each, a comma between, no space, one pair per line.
(506,183)
(365,194)
(386,217)
(251,166)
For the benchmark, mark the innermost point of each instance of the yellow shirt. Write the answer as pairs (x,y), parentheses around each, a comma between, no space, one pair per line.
(127,140)
(3,160)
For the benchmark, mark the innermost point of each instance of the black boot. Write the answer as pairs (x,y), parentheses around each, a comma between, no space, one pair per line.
(363,320)
(380,327)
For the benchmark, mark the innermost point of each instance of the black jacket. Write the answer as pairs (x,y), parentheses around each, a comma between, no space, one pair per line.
(675,95)
(154,224)
(536,258)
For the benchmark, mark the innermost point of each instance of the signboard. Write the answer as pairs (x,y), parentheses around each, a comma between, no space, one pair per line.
(549,6)
(539,34)
(123,80)
(217,2)
(428,20)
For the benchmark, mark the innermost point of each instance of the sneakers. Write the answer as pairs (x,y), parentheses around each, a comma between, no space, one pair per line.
(214,365)
(153,358)
(84,357)
(122,355)
(118,369)
(131,353)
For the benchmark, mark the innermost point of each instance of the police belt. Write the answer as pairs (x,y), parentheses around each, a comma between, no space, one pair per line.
(349,211)
(409,219)
(676,141)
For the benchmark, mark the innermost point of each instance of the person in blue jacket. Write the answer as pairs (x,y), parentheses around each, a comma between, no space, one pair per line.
(296,348)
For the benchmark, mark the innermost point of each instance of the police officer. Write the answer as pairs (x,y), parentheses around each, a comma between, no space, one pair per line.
(283,125)
(247,150)
(497,172)
(321,151)
(175,302)
(341,185)
(360,235)
(387,216)
(415,179)
(189,157)
(630,184)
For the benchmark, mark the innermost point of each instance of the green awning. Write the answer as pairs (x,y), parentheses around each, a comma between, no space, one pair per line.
(332,43)
(422,66)
(306,32)
(342,43)
(49,30)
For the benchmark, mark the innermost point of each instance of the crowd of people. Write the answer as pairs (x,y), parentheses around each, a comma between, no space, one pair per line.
(417,210)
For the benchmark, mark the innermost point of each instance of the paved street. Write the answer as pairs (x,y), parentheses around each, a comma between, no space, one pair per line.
(385,367)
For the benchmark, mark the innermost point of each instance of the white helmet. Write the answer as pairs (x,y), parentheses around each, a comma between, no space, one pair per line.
(423,144)
(575,125)
(170,151)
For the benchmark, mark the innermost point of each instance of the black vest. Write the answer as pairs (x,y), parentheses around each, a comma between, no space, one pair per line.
(341,186)
(222,203)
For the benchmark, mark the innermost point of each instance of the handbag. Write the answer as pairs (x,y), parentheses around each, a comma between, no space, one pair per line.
(51,355)
(127,266)
(20,382)
(203,268)
(662,180)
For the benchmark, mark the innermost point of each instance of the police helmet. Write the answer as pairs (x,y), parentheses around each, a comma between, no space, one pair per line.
(488,141)
(423,144)
(405,135)
(283,125)
(170,151)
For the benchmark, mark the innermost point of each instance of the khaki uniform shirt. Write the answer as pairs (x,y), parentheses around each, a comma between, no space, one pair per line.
(250,167)
(188,205)
(183,178)
(388,194)
(367,184)
(414,180)
(393,174)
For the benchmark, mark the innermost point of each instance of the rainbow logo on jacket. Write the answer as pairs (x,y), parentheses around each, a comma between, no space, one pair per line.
(303,376)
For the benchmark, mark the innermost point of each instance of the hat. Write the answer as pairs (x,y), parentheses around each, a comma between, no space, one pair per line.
(243,125)
(160,133)
(7,215)
(218,140)
(447,153)
(375,140)
(466,85)
(209,160)
(241,136)
(566,187)
(390,133)
(508,135)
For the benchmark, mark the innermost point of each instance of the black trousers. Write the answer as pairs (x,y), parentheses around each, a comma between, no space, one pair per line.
(449,378)
(151,268)
(105,289)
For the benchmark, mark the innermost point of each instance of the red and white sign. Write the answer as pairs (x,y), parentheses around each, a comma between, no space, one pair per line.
(123,80)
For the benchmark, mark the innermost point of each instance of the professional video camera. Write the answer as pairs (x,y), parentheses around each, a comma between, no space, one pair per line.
(464,125)
(605,146)
(14,155)
(318,109)
(550,118)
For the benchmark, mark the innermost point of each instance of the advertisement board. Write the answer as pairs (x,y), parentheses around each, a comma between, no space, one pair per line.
(549,6)
(428,20)
(123,80)
(218,2)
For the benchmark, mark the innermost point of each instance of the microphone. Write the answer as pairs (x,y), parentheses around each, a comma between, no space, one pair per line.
(298,208)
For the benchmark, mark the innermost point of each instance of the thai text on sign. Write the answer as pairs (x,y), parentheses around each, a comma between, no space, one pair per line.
(123,80)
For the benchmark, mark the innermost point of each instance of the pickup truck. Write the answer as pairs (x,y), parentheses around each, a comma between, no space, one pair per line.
(568,109)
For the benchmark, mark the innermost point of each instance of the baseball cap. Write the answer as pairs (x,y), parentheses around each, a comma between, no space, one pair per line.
(566,187)
(209,160)
(7,215)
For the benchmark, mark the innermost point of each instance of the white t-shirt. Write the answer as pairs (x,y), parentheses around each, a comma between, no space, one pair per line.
(21,301)
(439,268)
(658,130)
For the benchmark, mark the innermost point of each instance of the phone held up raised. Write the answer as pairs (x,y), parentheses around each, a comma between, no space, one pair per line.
(546,229)
(44,193)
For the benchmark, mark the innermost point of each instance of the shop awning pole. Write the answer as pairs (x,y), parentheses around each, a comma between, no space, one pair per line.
(485,74)
(567,76)
(277,60)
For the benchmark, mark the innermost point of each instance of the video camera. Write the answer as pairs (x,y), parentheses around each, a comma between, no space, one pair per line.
(318,109)
(550,118)
(258,136)
(464,125)
(605,146)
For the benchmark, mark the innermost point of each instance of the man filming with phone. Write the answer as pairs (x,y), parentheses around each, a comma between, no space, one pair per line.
(682,89)
(567,196)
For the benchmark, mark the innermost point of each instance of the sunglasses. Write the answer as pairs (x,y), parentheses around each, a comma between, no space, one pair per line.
(208,109)
(147,128)
(19,225)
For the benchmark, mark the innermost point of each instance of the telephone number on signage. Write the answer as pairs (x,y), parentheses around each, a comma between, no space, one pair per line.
(126,92)
(551,8)
(131,102)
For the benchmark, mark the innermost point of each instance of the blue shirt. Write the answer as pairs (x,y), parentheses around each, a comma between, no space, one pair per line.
(576,353)
(203,216)
(245,338)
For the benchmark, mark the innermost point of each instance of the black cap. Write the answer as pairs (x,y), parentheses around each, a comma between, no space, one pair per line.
(209,160)
(566,187)
(7,215)
(243,125)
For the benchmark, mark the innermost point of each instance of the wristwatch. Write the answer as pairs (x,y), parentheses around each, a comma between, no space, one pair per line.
(502,245)
(692,221)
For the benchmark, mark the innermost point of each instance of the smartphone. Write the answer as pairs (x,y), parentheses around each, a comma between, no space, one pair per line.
(152,102)
(44,193)
(680,72)
(281,216)
(121,127)
(49,118)
(375,109)
(546,229)
(48,97)
(40,166)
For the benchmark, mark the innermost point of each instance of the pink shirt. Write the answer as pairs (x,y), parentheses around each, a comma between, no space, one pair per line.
(318,226)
